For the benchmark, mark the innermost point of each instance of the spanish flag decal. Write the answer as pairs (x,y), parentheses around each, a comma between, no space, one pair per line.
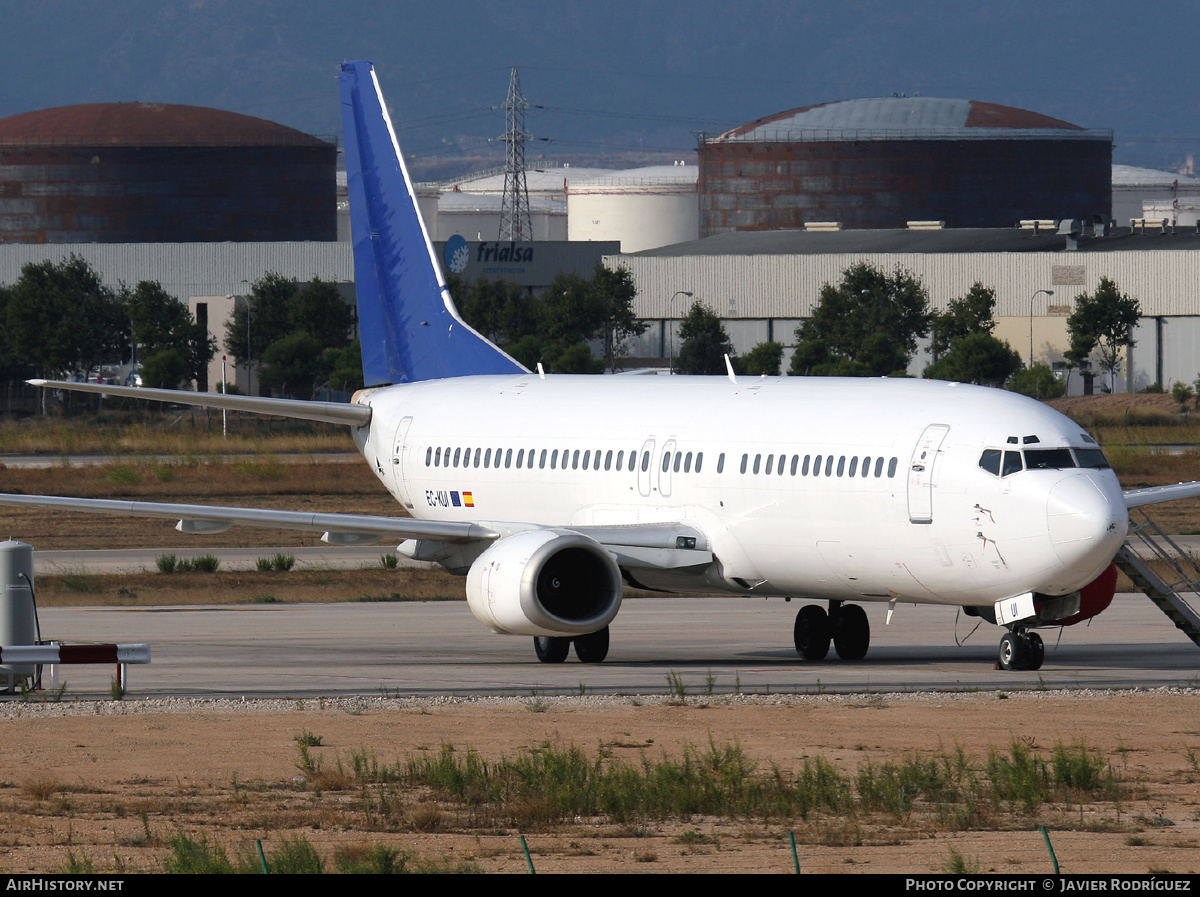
(468,501)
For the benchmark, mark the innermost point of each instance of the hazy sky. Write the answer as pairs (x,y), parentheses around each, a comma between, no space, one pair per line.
(614,76)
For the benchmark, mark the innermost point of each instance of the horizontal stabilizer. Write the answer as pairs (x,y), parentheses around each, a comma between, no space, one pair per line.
(329,412)
(188,515)
(1153,495)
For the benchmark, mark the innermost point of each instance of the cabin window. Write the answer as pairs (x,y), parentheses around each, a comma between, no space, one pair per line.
(521,458)
(529,459)
(841,465)
(853,467)
(666,464)
(457,455)
(990,461)
(866,468)
(829,465)
(478,452)
(816,469)
(804,466)
(596,460)
(645,461)
(721,463)
(621,460)
(607,459)
(487,459)
(891,468)
(745,461)
(699,460)
(542,460)
(795,464)
(429,456)
(878,467)
(757,462)
(1093,458)
(574,460)
(687,463)
(678,461)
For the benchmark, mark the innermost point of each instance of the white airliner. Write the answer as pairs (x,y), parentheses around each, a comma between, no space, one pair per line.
(553,493)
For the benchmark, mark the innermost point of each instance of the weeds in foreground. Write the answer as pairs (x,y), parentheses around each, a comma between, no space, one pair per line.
(279,563)
(169,563)
(957,864)
(289,856)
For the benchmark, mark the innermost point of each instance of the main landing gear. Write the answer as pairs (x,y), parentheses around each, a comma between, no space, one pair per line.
(1021,650)
(590,648)
(845,625)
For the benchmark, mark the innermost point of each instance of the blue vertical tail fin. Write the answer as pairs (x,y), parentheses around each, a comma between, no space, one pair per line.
(409,326)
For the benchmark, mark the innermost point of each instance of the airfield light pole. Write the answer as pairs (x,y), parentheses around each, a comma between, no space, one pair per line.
(1031,298)
(671,305)
(224,428)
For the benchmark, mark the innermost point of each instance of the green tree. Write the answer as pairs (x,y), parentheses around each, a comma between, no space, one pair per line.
(343,367)
(765,358)
(1037,382)
(614,294)
(164,369)
(160,322)
(60,317)
(320,310)
(871,320)
(963,316)
(1103,322)
(976,358)
(260,318)
(704,343)
(293,365)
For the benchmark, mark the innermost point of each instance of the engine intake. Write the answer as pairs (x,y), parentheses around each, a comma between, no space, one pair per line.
(545,582)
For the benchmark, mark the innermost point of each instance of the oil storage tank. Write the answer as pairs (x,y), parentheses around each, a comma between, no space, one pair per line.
(161,173)
(882,162)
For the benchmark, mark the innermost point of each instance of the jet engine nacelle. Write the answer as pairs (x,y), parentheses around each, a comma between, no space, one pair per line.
(545,582)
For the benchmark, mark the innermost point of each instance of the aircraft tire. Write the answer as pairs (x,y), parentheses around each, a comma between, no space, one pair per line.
(593,647)
(551,649)
(1036,651)
(851,632)
(1013,652)
(811,632)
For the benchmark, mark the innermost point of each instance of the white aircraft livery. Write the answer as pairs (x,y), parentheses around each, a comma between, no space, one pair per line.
(553,493)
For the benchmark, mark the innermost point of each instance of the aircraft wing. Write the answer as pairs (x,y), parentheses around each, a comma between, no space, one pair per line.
(338,529)
(330,412)
(662,546)
(1153,495)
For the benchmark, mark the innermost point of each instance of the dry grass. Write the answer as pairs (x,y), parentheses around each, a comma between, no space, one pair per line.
(79,589)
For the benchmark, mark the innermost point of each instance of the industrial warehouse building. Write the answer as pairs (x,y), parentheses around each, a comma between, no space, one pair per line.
(763,284)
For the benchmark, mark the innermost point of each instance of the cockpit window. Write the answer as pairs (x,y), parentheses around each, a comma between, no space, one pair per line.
(1048,459)
(1012,463)
(990,461)
(1091,458)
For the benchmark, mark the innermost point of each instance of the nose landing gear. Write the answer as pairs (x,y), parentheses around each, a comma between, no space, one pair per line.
(1021,650)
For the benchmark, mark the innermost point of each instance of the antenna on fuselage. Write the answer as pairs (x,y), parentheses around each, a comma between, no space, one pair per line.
(729,370)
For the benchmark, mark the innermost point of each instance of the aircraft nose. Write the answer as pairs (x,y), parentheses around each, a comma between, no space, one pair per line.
(1086,520)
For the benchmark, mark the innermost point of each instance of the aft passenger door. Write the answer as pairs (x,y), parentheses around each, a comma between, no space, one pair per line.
(922,473)
(398,461)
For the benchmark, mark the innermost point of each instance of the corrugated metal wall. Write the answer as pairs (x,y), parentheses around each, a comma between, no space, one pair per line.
(1167,282)
(191,269)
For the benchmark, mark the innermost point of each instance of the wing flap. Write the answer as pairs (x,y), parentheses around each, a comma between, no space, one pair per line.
(341,528)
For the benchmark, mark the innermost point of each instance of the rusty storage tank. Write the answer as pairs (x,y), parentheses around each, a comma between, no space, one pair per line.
(885,161)
(156,173)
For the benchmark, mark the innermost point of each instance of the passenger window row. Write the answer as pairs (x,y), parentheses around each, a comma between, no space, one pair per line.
(436,456)
(821,465)
(677,462)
